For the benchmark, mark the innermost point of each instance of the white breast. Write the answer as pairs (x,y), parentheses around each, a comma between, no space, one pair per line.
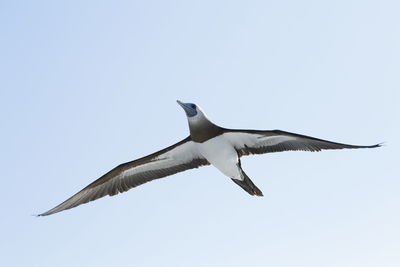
(221,154)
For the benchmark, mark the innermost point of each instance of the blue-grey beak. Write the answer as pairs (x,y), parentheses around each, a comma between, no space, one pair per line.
(188,108)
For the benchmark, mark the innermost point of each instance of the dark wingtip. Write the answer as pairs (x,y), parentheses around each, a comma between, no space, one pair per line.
(373,146)
(42,214)
(380,144)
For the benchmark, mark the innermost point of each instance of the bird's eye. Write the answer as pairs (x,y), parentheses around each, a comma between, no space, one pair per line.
(193,106)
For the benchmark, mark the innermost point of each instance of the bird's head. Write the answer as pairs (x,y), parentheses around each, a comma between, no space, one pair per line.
(193,112)
(190,109)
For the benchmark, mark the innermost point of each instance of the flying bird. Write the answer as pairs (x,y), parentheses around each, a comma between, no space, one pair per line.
(207,144)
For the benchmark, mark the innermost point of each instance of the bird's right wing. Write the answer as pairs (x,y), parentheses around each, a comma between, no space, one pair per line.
(176,158)
(248,142)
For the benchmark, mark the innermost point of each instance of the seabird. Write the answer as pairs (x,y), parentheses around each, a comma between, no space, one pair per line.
(207,144)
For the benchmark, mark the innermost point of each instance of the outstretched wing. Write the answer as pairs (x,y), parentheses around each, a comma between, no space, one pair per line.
(248,142)
(176,158)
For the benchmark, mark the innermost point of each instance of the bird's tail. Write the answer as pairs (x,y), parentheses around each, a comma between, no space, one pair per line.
(248,185)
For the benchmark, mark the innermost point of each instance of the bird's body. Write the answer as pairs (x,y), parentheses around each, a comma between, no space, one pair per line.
(222,155)
(207,144)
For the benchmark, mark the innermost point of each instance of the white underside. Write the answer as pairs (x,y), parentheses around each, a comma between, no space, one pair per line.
(222,155)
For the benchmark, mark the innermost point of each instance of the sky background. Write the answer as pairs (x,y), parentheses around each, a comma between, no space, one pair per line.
(87,85)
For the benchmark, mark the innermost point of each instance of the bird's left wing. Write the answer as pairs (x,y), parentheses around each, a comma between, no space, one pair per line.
(176,158)
(247,142)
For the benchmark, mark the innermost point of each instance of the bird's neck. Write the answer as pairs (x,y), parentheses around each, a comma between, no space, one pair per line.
(203,129)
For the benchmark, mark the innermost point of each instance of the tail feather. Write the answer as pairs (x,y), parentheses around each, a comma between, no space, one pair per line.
(248,185)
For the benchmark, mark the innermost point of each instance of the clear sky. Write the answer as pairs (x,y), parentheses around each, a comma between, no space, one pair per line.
(87,85)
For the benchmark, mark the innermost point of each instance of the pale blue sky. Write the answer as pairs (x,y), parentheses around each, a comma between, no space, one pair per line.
(87,85)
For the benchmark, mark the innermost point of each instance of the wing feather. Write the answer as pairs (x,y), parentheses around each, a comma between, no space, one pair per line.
(176,158)
(248,142)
